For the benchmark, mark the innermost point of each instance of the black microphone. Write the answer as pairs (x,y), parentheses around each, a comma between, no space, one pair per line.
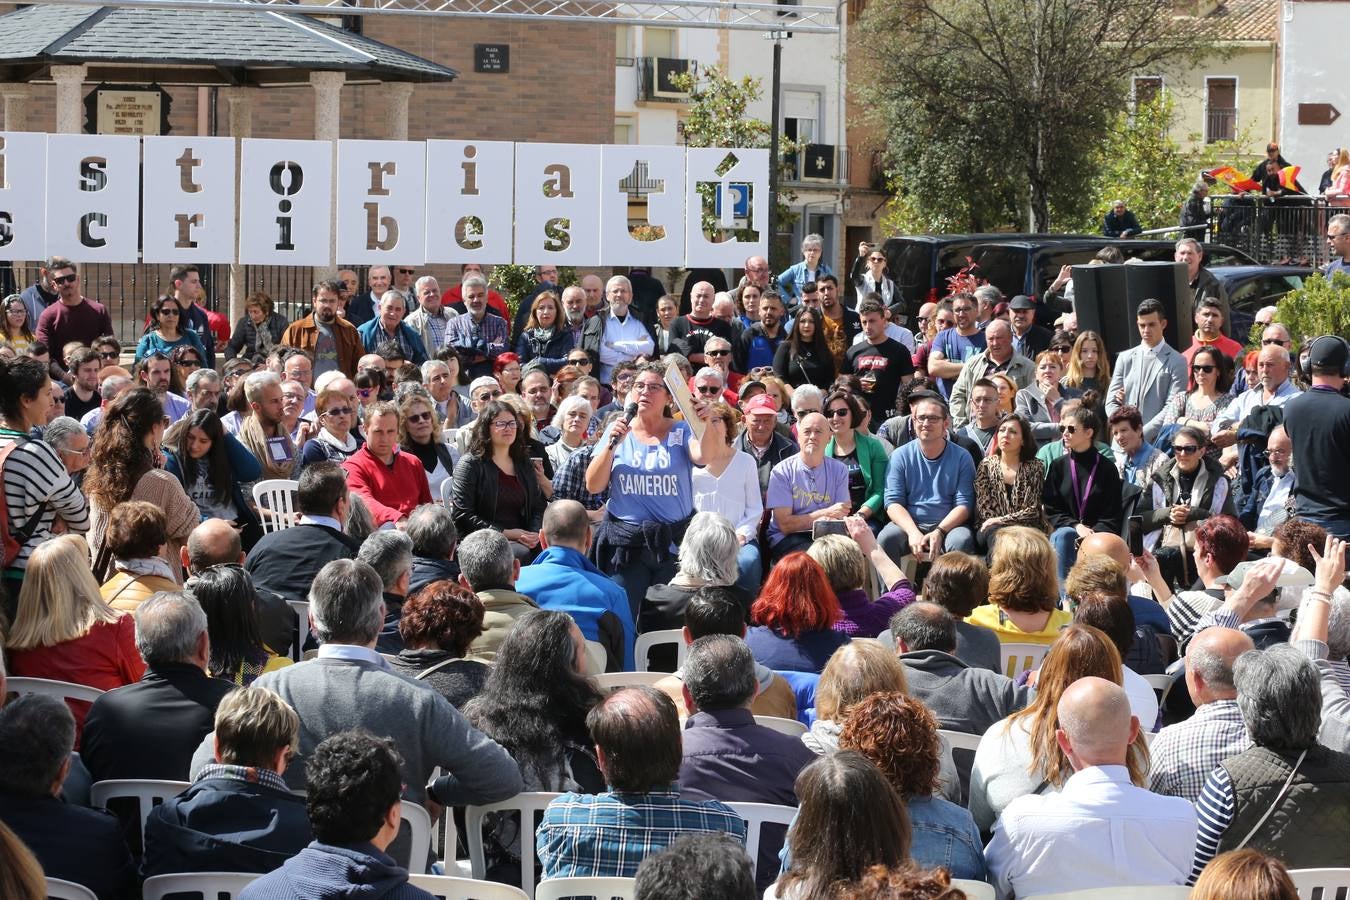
(629,414)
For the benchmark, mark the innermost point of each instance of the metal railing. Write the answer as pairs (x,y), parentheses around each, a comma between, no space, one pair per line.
(649,85)
(1280,230)
(1220,124)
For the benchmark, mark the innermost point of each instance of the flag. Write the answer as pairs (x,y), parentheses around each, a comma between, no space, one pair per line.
(1238,182)
(1289,177)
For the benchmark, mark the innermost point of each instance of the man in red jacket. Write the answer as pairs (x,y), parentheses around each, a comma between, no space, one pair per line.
(392,483)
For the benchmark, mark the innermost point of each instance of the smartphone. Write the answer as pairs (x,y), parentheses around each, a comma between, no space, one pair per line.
(822,527)
(1136,535)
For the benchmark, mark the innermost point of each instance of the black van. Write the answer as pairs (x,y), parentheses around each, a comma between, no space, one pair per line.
(1015,263)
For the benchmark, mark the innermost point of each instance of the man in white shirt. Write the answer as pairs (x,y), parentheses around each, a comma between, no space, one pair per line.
(1270,493)
(615,335)
(1273,389)
(1100,830)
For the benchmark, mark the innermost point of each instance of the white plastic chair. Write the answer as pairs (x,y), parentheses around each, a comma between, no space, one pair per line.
(419,823)
(596,657)
(786,726)
(301,610)
(1018,658)
(974,890)
(277,496)
(650,639)
(757,815)
(1163,683)
(68,890)
(599,888)
(61,690)
(145,791)
(210,885)
(526,804)
(451,888)
(609,681)
(1130,892)
(447,492)
(1308,883)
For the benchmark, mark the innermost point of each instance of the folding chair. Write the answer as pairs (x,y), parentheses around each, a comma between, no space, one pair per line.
(146,792)
(650,639)
(210,885)
(599,888)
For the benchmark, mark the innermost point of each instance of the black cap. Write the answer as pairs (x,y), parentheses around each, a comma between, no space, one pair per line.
(1328,352)
(1022,301)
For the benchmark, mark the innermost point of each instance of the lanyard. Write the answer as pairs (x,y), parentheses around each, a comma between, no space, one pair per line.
(1081,499)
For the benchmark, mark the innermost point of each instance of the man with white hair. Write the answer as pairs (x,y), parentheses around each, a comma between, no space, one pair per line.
(574,313)
(719,355)
(388,327)
(360,308)
(71,443)
(1199,279)
(203,389)
(1267,504)
(454,296)
(479,336)
(689,333)
(1099,830)
(431,317)
(616,335)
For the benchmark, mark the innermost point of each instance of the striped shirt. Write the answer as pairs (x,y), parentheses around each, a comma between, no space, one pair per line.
(1185,610)
(609,835)
(1213,813)
(34,475)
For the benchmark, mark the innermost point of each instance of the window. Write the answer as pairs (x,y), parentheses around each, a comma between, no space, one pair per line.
(660,43)
(1147,88)
(625,130)
(623,44)
(1220,109)
(801,118)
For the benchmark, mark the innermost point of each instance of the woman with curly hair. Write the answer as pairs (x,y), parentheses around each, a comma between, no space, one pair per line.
(125,467)
(437,624)
(1023,590)
(900,737)
(238,653)
(534,704)
(1020,755)
(794,617)
(496,485)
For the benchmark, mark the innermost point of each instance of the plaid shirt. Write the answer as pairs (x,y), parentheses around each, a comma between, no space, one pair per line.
(610,834)
(246,775)
(569,482)
(1184,754)
(461,331)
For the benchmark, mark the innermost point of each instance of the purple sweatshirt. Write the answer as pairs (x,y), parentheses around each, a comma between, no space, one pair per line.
(869,619)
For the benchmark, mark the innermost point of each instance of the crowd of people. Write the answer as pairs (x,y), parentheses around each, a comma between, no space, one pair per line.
(846,520)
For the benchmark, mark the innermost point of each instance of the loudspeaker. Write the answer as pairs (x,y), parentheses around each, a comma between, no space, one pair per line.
(1105,299)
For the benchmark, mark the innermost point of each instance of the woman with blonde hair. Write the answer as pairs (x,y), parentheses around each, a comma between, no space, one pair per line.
(855,672)
(1089,365)
(1338,192)
(21,876)
(1245,875)
(419,433)
(1020,754)
(65,632)
(1023,589)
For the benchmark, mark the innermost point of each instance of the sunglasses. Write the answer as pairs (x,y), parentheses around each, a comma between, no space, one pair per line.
(717,353)
(340,411)
(880,259)
(419,417)
(66,279)
(1062,349)
(1185,448)
(1068,429)
(109,354)
(407,271)
(190,363)
(709,390)
(484,397)
(169,311)
(580,361)
(1204,369)
(841,413)
(1268,341)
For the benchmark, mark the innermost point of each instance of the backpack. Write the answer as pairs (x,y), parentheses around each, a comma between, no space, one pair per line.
(14,541)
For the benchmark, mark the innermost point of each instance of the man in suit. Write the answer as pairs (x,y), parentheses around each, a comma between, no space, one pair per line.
(1149,374)
(70,842)
(287,561)
(361,308)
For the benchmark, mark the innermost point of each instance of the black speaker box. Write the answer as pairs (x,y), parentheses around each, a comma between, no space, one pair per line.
(1105,299)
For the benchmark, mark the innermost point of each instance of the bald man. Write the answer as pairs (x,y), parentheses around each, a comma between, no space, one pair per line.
(1183,755)
(998,357)
(1147,611)
(1099,830)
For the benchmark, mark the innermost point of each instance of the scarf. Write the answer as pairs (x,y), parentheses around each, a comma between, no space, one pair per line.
(251,435)
(154,565)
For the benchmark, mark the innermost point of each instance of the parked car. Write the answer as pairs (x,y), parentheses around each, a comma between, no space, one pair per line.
(1015,263)
(1252,287)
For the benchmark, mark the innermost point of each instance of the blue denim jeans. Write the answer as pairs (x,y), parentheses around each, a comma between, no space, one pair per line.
(750,567)
(1065,542)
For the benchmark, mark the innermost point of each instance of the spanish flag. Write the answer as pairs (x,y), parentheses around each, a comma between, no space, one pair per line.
(1289,177)
(1236,181)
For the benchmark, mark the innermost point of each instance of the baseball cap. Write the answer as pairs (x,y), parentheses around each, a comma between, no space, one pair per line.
(1022,301)
(761,404)
(1328,352)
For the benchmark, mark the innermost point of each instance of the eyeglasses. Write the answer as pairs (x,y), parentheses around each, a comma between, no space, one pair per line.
(648,387)
(710,390)
(421,417)
(716,352)
(1203,369)
(1068,429)
(66,279)
(340,411)
(1332,237)
(1185,448)
(58,398)
(928,420)
(169,311)
(1266,342)
(580,361)
(505,424)
(80,453)
(1275,451)
(842,412)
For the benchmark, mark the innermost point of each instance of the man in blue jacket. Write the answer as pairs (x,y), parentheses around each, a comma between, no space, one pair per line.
(563,578)
(388,325)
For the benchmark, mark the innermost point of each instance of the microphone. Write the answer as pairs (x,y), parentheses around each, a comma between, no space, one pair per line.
(629,414)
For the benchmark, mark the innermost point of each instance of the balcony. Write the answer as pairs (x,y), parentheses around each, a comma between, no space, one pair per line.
(654,76)
(818,165)
(1220,124)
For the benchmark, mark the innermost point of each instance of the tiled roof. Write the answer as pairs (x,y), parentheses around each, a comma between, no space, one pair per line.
(60,34)
(1246,20)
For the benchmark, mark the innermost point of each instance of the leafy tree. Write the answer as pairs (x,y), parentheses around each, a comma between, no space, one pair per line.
(515,282)
(719,117)
(1321,306)
(995,110)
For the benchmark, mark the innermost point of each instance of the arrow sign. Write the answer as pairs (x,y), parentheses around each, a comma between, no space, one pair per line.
(1317,114)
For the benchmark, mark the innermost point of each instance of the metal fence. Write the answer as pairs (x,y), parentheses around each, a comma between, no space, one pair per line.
(1276,231)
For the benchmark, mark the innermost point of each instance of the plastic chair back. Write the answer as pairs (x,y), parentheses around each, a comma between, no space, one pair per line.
(276,500)
(974,890)
(1321,884)
(61,690)
(526,804)
(650,639)
(208,885)
(599,888)
(609,681)
(1132,892)
(787,726)
(145,791)
(419,823)
(1018,658)
(756,815)
(68,890)
(452,888)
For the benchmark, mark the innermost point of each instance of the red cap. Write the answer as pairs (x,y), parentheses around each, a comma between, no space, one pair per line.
(762,403)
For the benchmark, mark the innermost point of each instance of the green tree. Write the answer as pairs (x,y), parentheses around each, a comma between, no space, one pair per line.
(995,110)
(516,282)
(1321,306)
(719,116)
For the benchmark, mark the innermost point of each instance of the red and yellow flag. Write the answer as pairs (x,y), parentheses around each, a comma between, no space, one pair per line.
(1238,182)
(1289,177)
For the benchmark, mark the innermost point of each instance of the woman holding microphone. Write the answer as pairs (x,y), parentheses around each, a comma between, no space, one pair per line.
(647,464)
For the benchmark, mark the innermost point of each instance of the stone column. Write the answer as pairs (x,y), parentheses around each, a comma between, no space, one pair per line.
(16,106)
(327,127)
(397,94)
(241,126)
(69,98)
